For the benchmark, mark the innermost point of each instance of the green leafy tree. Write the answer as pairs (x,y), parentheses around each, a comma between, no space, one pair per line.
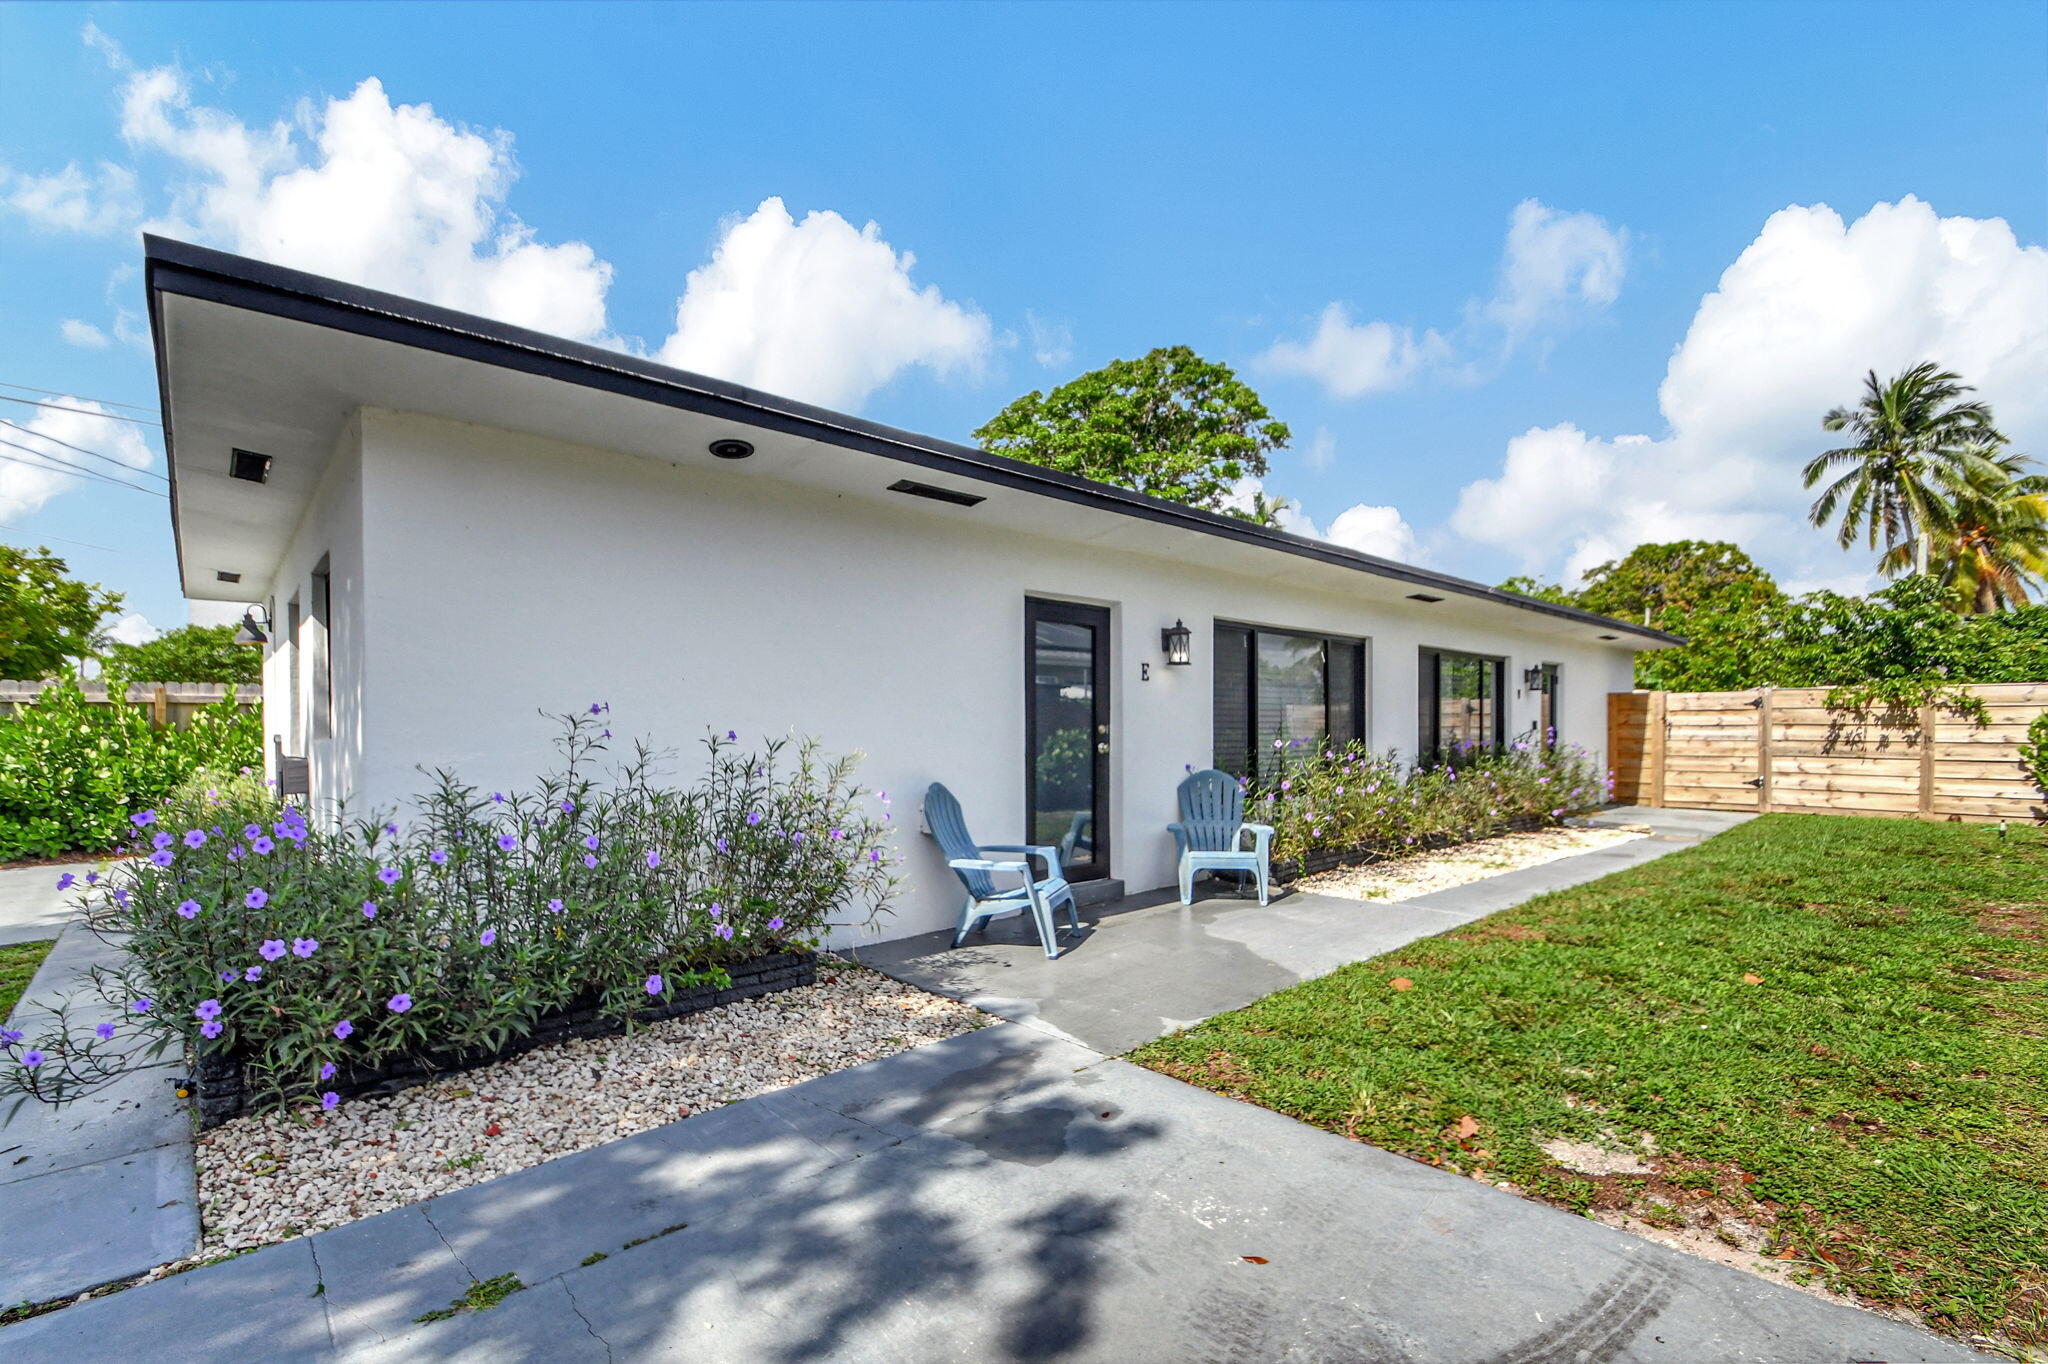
(190,653)
(1915,439)
(1170,425)
(47,618)
(1555,594)
(1651,582)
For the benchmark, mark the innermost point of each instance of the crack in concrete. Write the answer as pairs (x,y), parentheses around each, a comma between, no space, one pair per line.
(577,1308)
(320,1291)
(425,1212)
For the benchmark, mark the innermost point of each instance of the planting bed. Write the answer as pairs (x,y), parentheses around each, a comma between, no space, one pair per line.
(1462,863)
(269,1177)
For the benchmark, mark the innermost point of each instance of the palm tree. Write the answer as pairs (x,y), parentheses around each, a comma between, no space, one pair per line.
(1264,510)
(1914,438)
(1992,541)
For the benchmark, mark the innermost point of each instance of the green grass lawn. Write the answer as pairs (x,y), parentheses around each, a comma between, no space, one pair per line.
(1835,1030)
(18,963)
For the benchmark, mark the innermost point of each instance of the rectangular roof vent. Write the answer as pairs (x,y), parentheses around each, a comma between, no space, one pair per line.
(958,499)
(247,464)
(224,576)
(1422,596)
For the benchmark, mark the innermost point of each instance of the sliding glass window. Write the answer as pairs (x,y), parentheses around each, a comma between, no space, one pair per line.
(1276,687)
(1460,702)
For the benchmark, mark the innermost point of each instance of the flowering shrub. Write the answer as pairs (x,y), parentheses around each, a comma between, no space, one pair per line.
(71,771)
(313,951)
(1350,797)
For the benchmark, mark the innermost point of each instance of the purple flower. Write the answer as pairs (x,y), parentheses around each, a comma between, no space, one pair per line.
(162,858)
(716,909)
(400,1003)
(208,1008)
(254,973)
(724,931)
(596,709)
(391,829)
(142,818)
(195,838)
(121,897)
(234,854)
(342,1030)
(487,937)
(875,855)
(327,1071)
(142,1006)
(305,947)
(162,840)
(753,818)
(589,859)
(838,834)
(330,1101)
(66,881)
(369,909)
(654,985)
(568,807)
(189,910)
(775,925)
(92,878)
(272,949)
(506,843)
(590,841)
(438,858)
(497,797)
(257,898)
(8,1037)
(227,977)
(554,906)
(732,734)
(653,859)
(252,831)
(105,1032)
(31,1058)
(261,844)
(211,1028)
(389,876)
(721,842)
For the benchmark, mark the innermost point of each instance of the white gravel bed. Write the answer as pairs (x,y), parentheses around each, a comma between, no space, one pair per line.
(1466,863)
(270,1177)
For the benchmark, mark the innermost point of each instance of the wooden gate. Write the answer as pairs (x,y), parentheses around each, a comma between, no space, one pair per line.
(1772,749)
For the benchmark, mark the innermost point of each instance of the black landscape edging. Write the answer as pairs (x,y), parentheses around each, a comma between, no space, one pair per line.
(218,1092)
(1292,869)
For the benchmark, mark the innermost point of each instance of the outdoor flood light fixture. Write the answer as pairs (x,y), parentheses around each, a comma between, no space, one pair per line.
(731,448)
(1174,640)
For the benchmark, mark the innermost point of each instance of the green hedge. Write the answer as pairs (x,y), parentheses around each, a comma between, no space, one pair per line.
(71,771)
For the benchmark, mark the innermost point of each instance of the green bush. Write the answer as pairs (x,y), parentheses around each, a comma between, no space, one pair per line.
(315,951)
(1349,797)
(71,772)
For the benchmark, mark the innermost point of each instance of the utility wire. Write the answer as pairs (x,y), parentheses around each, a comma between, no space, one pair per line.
(61,539)
(80,411)
(118,464)
(54,393)
(66,466)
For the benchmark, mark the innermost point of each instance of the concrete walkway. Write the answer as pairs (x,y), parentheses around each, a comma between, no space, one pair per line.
(100,1189)
(1006,1195)
(1146,965)
(32,909)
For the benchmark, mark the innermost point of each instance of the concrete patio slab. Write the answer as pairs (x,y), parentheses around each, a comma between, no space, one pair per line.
(1147,965)
(32,909)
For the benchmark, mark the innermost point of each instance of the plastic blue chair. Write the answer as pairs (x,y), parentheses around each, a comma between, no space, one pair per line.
(1210,834)
(1040,896)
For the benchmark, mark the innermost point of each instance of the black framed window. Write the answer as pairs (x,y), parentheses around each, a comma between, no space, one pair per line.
(1274,687)
(1461,702)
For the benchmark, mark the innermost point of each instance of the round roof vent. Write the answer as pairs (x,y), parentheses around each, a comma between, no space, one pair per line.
(732,449)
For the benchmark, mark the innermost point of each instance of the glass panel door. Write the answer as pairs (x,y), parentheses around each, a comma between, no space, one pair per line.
(1066,732)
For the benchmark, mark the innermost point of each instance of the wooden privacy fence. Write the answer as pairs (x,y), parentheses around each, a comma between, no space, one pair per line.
(170,703)
(1786,749)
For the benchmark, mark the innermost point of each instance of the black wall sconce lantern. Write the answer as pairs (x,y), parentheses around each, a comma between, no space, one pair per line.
(1533,678)
(249,633)
(1174,641)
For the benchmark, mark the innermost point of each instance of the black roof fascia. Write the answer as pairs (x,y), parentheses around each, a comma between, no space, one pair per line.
(236,281)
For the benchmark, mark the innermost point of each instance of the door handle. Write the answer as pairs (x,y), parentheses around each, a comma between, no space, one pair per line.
(1102,747)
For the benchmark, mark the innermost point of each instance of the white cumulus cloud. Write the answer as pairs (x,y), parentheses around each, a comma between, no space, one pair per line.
(819,310)
(132,628)
(41,461)
(84,334)
(76,200)
(1807,308)
(1368,529)
(1350,358)
(1554,262)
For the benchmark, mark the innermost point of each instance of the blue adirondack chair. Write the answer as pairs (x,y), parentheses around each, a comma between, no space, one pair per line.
(1210,834)
(1038,895)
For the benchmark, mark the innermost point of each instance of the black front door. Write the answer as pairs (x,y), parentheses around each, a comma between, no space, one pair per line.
(1066,733)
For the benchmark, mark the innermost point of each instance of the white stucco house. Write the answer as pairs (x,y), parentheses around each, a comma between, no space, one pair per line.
(453,524)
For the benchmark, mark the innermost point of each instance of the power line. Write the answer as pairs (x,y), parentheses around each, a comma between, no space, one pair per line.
(61,539)
(118,464)
(79,411)
(55,393)
(65,465)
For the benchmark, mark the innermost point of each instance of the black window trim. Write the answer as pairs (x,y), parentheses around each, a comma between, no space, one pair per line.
(1429,673)
(1360,684)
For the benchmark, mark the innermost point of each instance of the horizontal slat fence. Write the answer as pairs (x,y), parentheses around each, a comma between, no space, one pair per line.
(1785,749)
(170,703)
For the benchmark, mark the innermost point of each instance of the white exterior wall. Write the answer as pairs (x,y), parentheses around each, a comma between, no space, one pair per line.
(500,575)
(332,528)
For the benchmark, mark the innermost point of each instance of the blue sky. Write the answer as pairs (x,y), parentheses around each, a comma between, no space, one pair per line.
(1465,251)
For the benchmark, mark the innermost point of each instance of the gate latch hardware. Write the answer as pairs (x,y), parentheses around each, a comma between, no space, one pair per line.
(1754,781)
